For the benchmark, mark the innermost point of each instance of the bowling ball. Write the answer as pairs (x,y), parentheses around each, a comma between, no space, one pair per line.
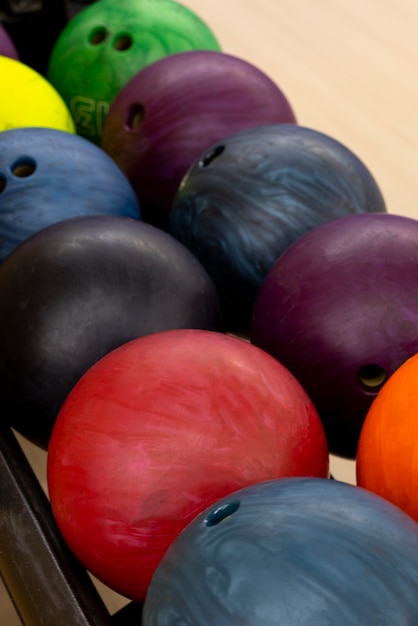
(107,42)
(246,199)
(158,430)
(28,99)
(339,310)
(48,175)
(78,289)
(174,109)
(7,46)
(386,461)
(294,552)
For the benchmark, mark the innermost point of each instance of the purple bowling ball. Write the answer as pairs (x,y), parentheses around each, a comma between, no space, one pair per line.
(7,46)
(339,309)
(173,110)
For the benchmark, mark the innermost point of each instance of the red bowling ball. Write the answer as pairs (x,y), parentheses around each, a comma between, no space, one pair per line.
(161,428)
(173,110)
(339,309)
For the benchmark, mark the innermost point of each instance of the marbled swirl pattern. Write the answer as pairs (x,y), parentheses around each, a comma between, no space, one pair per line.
(267,187)
(296,552)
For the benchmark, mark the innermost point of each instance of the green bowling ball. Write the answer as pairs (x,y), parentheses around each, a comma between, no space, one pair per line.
(108,42)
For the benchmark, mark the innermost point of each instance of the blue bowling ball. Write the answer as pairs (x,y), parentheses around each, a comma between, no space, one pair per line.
(48,175)
(290,552)
(247,198)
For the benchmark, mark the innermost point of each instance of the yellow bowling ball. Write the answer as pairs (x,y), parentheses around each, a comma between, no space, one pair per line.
(28,99)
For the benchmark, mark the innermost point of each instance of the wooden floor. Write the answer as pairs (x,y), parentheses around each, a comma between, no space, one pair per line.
(348,69)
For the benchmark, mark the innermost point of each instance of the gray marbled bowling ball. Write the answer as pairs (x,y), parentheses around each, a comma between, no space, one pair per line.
(290,552)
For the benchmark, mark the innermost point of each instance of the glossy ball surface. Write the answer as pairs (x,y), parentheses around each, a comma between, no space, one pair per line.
(294,552)
(48,175)
(387,461)
(29,99)
(339,309)
(108,42)
(157,431)
(168,114)
(78,289)
(249,197)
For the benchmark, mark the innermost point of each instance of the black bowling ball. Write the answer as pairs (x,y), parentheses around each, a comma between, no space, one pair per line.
(78,289)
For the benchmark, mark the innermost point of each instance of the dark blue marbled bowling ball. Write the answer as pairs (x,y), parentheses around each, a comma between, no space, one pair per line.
(250,196)
(294,552)
(76,290)
(48,175)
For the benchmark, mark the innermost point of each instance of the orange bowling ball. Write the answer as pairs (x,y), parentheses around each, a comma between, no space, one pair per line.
(387,453)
